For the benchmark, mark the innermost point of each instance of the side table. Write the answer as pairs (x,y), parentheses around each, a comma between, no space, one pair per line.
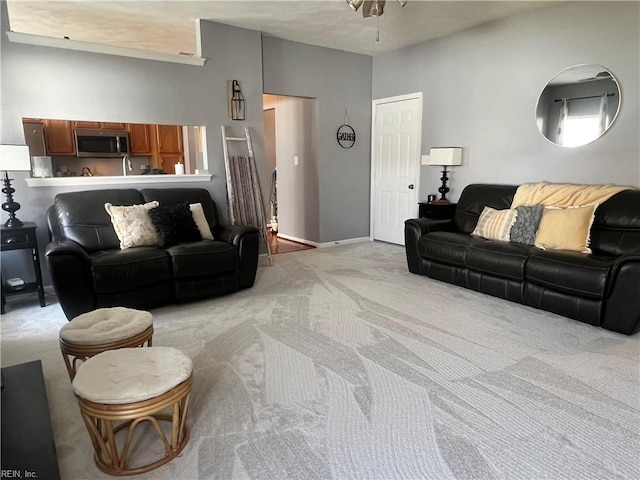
(22,238)
(436,210)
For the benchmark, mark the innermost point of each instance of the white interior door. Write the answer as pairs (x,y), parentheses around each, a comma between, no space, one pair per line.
(396,139)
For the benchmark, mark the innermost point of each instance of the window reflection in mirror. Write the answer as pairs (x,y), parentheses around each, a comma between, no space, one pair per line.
(578,105)
(152,148)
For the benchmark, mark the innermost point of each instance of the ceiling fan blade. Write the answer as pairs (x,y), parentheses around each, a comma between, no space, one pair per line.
(366,8)
(354,4)
(373,8)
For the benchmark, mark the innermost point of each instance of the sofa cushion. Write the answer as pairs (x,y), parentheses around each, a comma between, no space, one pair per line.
(169,196)
(83,219)
(477,196)
(132,224)
(569,272)
(174,224)
(616,226)
(495,224)
(526,226)
(566,228)
(129,269)
(446,247)
(499,259)
(202,259)
(201,221)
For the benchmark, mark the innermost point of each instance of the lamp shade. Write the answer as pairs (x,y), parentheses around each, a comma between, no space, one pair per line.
(14,158)
(445,156)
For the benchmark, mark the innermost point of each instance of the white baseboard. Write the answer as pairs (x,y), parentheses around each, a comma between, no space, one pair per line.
(346,241)
(299,240)
(325,244)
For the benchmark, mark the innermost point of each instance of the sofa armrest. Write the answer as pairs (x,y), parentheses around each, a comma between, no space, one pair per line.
(414,228)
(70,271)
(246,240)
(622,306)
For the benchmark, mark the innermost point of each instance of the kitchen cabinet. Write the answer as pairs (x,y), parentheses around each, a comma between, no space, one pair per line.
(99,125)
(169,138)
(112,126)
(167,161)
(139,139)
(86,125)
(59,137)
(161,144)
(170,148)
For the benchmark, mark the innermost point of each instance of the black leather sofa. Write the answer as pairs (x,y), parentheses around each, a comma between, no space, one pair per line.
(601,288)
(89,270)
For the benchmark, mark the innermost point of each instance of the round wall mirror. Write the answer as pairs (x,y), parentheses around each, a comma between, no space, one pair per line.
(578,105)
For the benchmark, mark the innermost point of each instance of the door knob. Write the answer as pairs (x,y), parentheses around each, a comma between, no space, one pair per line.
(411,187)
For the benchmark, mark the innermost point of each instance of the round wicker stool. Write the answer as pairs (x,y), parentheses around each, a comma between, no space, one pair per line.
(119,390)
(104,329)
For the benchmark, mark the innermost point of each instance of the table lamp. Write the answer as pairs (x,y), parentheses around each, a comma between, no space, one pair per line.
(445,157)
(13,158)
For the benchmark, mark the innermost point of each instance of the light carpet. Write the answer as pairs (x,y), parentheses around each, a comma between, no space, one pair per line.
(339,363)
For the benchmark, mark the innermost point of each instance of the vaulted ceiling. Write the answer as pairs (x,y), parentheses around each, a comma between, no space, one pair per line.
(169,26)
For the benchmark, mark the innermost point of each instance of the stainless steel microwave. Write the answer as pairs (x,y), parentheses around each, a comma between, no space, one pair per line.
(101,143)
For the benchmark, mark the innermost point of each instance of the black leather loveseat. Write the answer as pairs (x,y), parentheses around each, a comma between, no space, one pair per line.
(89,270)
(601,288)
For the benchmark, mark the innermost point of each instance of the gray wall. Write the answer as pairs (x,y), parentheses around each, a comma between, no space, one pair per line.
(339,81)
(52,83)
(481,87)
(296,135)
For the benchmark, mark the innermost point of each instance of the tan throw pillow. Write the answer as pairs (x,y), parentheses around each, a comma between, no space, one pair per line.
(495,224)
(201,221)
(566,228)
(133,225)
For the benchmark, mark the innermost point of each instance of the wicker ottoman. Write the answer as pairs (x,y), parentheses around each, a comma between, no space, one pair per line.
(119,390)
(104,329)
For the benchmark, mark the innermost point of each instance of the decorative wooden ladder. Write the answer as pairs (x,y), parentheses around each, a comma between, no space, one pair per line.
(246,206)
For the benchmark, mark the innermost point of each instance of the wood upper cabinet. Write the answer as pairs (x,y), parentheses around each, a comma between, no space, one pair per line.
(82,125)
(139,139)
(169,138)
(59,137)
(112,126)
(98,125)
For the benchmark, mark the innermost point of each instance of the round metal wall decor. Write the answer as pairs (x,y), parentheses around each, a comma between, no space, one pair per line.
(346,136)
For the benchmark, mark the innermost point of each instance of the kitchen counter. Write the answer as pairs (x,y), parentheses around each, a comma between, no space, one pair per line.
(115,180)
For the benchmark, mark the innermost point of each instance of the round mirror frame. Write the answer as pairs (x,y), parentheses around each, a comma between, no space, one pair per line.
(579,79)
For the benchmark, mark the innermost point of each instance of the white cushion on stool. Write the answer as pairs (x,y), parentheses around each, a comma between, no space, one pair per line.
(106,325)
(128,375)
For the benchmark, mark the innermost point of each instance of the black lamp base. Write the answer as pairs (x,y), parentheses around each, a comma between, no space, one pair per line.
(444,189)
(10,206)
(13,222)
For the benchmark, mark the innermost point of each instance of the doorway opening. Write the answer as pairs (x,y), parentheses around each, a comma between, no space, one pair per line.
(291,153)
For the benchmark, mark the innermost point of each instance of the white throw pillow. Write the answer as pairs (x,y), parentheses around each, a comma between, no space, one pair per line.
(133,225)
(201,221)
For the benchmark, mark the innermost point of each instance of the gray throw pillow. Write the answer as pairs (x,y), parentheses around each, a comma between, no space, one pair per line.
(526,226)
